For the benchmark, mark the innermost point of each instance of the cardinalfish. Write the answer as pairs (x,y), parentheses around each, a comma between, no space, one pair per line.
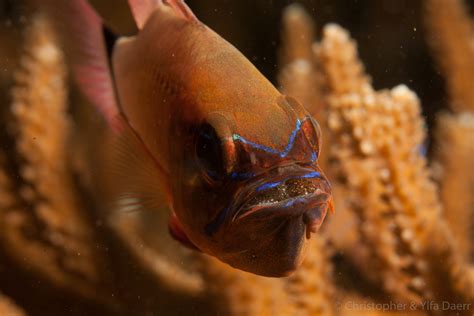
(198,128)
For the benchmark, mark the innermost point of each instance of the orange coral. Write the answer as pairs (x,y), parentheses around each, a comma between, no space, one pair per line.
(46,229)
(375,153)
(451,36)
(298,76)
(455,132)
(455,147)
(8,308)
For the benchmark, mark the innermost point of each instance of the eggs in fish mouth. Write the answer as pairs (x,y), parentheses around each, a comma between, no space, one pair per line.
(285,191)
(294,191)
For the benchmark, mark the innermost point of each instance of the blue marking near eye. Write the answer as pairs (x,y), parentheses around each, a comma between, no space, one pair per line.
(254,145)
(292,139)
(288,147)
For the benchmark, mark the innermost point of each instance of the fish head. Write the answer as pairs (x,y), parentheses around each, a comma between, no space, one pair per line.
(253,200)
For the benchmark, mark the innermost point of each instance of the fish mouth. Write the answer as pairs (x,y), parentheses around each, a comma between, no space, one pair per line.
(289,191)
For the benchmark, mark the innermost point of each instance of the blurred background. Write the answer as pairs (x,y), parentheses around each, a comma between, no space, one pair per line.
(390,35)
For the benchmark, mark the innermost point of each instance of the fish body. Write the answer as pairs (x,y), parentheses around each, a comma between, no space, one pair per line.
(235,159)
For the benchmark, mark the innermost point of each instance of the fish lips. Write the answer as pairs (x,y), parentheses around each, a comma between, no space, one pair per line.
(285,192)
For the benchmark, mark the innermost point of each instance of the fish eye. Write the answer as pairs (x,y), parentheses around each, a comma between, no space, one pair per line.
(209,151)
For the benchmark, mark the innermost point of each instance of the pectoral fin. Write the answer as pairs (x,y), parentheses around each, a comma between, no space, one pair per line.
(138,181)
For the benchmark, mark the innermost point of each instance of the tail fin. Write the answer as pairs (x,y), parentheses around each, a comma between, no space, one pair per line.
(81,30)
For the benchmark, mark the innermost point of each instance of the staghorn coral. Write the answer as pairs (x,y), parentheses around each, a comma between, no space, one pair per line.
(359,156)
(298,76)
(455,132)
(8,308)
(451,37)
(452,166)
(375,153)
(344,72)
(44,227)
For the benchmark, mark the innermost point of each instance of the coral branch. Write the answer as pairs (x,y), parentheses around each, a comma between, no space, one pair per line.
(46,230)
(452,38)
(311,288)
(298,75)
(453,169)
(377,139)
(8,308)
(338,54)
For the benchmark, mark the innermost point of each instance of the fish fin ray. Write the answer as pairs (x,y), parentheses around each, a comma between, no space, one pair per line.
(80,28)
(138,180)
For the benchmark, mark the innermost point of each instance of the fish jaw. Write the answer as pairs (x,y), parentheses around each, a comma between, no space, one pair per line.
(271,220)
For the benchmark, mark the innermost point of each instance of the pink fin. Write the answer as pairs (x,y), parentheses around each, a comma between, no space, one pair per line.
(177,232)
(141,10)
(82,32)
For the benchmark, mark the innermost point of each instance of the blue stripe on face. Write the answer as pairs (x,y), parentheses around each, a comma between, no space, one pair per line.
(291,141)
(313,174)
(254,145)
(288,147)
(268,185)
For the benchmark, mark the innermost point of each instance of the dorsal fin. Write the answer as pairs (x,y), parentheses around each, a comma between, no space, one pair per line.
(82,33)
(142,9)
